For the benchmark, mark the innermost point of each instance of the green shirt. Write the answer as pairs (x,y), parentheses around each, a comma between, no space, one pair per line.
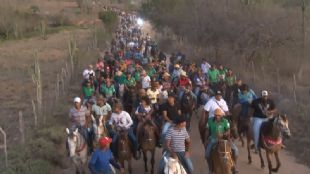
(213,75)
(230,80)
(151,72)
(217,127)
(120,79)
(137,76)
(108,91)
(130,82)
(88,92)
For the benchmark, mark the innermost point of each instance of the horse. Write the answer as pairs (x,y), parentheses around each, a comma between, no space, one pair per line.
(77,147)
(221,158)
(124,151)
(148,144)
(272,133)
(173,166)
(99,129)
(244,126)
(129,97)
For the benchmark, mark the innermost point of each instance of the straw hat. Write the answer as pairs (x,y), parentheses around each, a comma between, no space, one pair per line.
(219,112)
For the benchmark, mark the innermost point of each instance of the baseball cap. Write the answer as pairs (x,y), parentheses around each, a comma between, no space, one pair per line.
(77,100)
(218,93)
(104,141)
(264,93)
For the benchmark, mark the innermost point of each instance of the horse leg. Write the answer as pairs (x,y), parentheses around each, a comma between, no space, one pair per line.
(129,166)
(153,161)
(145,160)
(261,158)
(268,156)
(249,147)
(276,154)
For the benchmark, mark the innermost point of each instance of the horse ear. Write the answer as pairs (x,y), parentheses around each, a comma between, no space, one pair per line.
(68,131)
(76,131)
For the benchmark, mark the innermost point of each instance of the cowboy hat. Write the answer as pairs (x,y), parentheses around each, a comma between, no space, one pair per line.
(218,112)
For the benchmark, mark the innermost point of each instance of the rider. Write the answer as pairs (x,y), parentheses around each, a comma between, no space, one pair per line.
(218,128)
(188,104)
(214,103)
(79,116)
(129,81)
(263,108)
(178,143)
(246,97)
(101,109)
(88,91)
(121,120)
(108,89)
(171,110)
(144,113)
(102,158)
(153,93)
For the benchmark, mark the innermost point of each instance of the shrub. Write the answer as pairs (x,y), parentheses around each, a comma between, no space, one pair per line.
(109,18)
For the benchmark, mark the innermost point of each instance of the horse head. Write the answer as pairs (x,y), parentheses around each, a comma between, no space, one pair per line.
(281,122)
(72,141)
(148,132)
(234,129)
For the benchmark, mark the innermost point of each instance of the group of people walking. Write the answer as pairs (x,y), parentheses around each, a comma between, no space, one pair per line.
(135,84)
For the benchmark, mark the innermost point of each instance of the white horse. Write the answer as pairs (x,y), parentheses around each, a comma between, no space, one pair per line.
(173,166)
(77,147)
(99,128)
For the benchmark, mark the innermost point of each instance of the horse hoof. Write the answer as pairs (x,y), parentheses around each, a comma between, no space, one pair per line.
(250,162)
(262,166)
(274,170)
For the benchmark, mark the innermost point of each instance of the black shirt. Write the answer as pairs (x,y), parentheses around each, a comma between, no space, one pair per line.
(260,107)
(172,111)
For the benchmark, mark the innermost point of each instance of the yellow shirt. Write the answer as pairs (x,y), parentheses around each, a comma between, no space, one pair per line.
(152,95)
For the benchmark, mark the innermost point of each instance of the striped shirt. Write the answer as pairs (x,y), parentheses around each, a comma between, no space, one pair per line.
(177,137)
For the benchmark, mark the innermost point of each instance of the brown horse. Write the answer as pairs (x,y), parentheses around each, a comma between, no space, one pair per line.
(124,151)
(221,158)
(272,133)
(244,126)
(148,144)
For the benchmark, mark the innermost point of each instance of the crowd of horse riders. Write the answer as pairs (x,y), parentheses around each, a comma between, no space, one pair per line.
(137,98)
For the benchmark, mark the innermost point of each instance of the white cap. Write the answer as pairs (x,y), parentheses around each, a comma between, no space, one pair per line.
(77,100)
(183,73)
(264,93)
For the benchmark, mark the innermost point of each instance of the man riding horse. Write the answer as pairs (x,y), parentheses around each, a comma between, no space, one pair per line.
(121,120)
(218,127)
(263,107)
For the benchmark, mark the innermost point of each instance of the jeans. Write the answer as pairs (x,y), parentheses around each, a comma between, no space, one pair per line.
(188,120)
(186,163)
(197,90)
(166,126)
(131,137)
(213,142)
(256,124)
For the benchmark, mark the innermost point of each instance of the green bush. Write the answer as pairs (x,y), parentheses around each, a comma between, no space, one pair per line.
(109,18)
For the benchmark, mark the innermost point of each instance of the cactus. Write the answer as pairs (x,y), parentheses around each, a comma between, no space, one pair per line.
(36,78)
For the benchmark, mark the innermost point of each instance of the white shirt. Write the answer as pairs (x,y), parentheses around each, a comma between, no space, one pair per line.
(205,67)
(87,72)
(122,120)
(146,82)
(213,104)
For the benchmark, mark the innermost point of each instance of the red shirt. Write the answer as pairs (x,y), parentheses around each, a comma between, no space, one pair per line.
(184,81)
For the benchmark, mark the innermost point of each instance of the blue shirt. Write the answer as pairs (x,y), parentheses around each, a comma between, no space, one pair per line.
(101,160)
